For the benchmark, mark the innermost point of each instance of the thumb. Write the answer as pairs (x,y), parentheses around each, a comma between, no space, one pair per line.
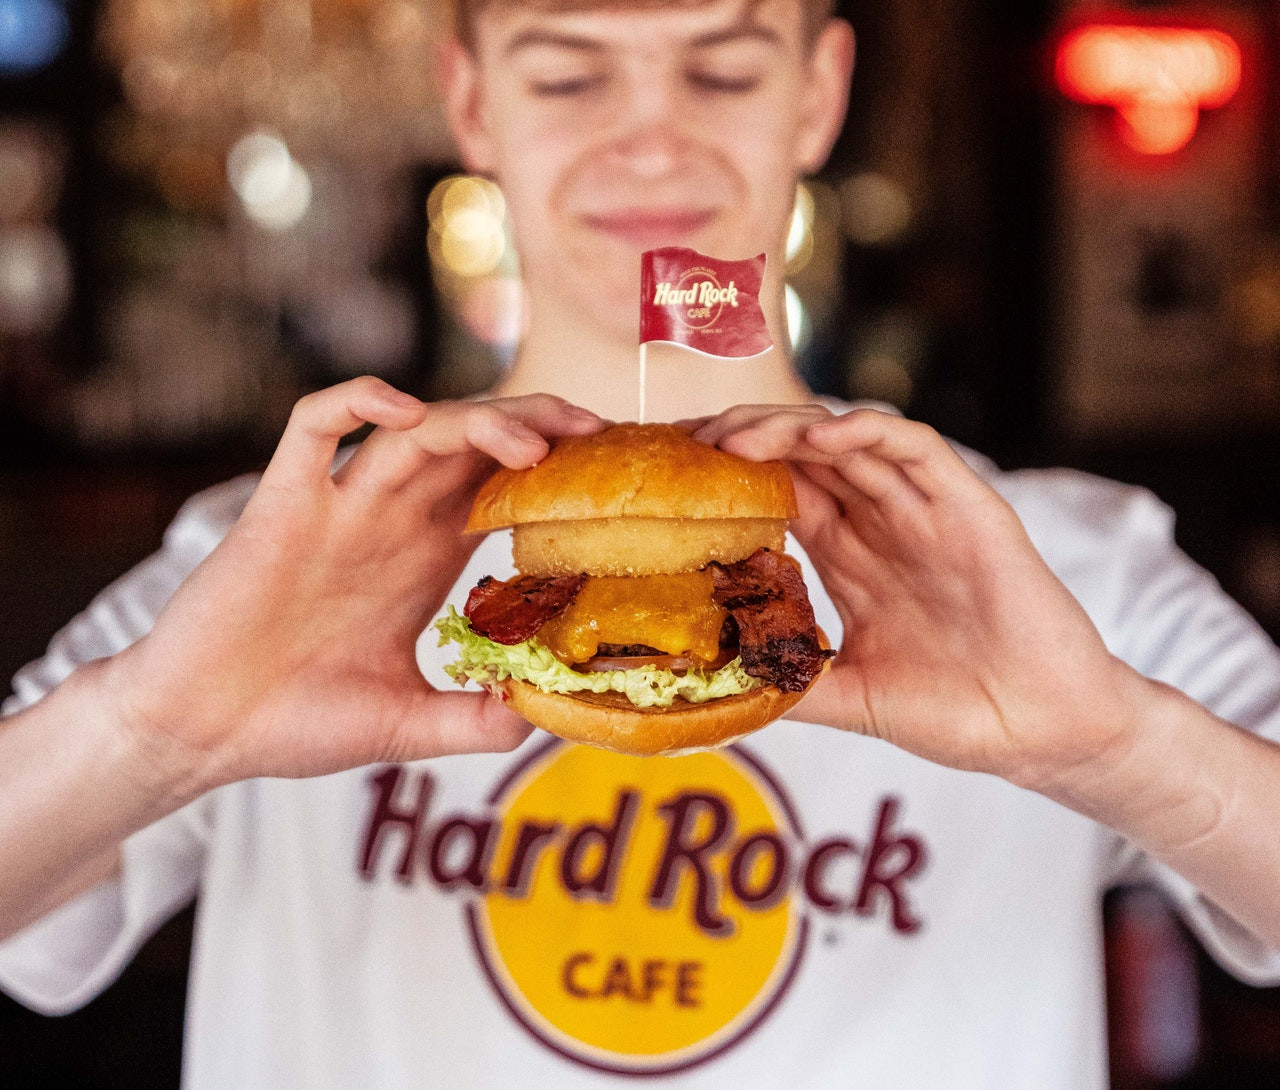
(835,701)
(439,724)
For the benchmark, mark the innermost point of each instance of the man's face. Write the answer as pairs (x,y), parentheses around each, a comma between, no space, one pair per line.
(614,131)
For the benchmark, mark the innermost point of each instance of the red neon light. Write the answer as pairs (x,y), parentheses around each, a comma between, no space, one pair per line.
(1157,78)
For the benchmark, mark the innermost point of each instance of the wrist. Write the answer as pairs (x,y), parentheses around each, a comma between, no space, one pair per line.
(1156,780)
(145,737)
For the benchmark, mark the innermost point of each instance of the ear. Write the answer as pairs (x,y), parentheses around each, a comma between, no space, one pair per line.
(460,84)
(830,71)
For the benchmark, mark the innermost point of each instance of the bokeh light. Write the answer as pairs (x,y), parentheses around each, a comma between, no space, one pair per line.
(876,209)
(797,320)
(883,378)
(32,161)
(352,81)
(35,279)
(1157,78)
(800,234)
(274,189)
(888,359)
(468,227)
(32,34)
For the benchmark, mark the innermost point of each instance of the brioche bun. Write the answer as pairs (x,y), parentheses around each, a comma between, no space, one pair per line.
(653,471)
(611,721)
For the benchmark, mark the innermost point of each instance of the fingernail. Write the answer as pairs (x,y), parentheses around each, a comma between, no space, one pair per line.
(524,434)
(824,429)
(400,398)
(824,425)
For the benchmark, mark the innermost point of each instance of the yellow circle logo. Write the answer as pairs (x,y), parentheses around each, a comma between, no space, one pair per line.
(639,916)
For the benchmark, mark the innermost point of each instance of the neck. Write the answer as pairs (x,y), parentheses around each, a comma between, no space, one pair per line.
(597,366)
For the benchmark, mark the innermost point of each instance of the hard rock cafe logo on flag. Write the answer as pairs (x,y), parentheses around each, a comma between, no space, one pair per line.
(641,916)
(702,303)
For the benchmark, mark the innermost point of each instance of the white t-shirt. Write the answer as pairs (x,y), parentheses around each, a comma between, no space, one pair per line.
(809,908)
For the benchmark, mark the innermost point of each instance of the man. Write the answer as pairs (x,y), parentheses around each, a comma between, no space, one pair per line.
(812,908)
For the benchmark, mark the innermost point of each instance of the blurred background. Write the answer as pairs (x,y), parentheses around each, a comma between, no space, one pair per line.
(1052,230)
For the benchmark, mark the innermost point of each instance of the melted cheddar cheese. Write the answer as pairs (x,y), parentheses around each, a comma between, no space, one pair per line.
(674,614)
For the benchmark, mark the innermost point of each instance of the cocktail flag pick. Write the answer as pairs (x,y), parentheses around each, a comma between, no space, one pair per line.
(701,303)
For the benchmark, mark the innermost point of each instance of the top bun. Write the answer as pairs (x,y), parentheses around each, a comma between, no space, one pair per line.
(642,471)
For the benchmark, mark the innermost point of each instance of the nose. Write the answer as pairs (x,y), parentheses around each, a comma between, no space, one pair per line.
(649,127)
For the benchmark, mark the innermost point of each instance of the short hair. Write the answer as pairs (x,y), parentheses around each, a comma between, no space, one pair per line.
(817,12)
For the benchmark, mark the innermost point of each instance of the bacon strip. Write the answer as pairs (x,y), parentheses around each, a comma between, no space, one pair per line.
(510,611)
(778,637)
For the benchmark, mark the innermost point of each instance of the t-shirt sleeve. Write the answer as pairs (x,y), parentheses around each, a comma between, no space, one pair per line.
(66,958)
(1174,623)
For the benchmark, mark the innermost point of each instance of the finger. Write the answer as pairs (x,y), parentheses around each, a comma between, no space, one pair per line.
(387,462)
(816,503)
(899,527)
(783,435)
(779,434)
(836,700)
(512,431)
(853,503)
(741,417)
(483,427)
(304,456)
(551,416)
(881,481)
(447,723)
(692,424)
(861,475)
(919,451)
(831,529)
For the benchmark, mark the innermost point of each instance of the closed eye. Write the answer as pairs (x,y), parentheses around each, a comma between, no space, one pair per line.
(565,88)
(728,85)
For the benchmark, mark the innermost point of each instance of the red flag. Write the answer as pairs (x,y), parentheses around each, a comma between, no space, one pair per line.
(710,306)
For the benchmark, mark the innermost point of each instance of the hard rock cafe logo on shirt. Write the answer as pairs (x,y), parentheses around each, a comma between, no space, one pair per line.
(640,916)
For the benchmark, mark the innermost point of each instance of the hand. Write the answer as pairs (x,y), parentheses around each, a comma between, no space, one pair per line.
(290,650)
(960,645)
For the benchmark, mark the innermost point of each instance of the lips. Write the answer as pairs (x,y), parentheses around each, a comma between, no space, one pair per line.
(647,229)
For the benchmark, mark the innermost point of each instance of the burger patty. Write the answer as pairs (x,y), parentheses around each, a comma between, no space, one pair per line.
(770,618)
(627,651)
(510,611)
(777,634)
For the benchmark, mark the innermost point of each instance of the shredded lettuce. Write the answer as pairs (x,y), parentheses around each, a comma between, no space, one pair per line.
(487,663)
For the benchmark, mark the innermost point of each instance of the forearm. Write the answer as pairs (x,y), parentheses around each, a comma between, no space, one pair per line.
(74,783)
(1197,793)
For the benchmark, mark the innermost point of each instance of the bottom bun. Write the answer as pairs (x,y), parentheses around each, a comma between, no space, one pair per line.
(611,721)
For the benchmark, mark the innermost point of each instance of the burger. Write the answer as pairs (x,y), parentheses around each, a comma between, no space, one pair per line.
(655,611)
